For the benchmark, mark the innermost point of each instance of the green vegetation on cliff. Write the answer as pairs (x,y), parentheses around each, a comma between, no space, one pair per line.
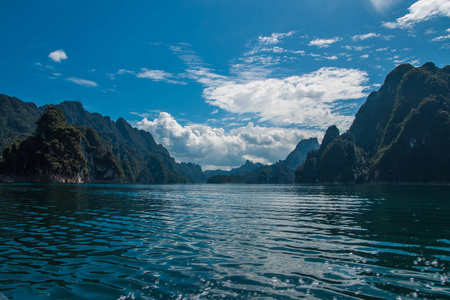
(400,134)
(17,120)
(114,151)
(53,154)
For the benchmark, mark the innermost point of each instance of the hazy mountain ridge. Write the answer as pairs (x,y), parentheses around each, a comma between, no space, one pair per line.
(400,134)
(247,167)
(278,173)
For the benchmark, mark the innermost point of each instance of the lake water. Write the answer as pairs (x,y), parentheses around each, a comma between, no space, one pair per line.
(224,241)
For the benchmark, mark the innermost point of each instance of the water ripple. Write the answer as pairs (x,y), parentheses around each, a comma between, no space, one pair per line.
(232,241)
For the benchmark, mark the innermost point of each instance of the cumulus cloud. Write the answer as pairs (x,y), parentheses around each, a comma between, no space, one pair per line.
(366,36)
(58,55)
(83,82)
(324,43)
(213,147)
(306,100)
(421,11)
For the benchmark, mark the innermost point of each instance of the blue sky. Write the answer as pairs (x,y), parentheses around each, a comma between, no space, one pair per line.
(217,82)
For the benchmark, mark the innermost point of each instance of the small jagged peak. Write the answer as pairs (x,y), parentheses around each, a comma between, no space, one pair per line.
(429,66)
(73,105)
(122,122)
(396,75)
(331,133)
(303,142)
(446,69)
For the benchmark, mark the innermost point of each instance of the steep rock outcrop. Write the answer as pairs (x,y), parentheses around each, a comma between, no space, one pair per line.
(400,134)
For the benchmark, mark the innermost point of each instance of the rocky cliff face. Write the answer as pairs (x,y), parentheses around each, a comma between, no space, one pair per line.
(53,154)
(400,134)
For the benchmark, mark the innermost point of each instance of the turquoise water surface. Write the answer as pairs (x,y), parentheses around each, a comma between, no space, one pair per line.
(224,241)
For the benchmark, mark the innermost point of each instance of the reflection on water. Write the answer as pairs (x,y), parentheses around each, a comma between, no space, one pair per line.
(224,241)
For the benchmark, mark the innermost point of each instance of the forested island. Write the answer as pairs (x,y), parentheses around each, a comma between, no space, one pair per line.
(400,134)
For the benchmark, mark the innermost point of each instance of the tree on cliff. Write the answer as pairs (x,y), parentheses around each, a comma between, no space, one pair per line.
(53,154)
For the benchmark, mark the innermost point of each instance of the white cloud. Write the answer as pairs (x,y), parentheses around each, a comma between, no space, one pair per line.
(58,55)
(324,43)
(263,41)
(255,159)
(124,71)
(212,147)
(82,82)
(254,67)
(334,57)
(306,100)
(366,36)
(275,38)
(365,56)
(420,11)
(43,67)
(155,75)
(356,48)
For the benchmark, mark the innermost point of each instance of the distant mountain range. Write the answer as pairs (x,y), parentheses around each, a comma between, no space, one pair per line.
(278,173)
(400,134)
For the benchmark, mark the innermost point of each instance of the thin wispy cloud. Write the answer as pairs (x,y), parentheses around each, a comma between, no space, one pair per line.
(366,36)
(266,43)
(43,67)
(275,38)
(82,82)
(442,37)
(324,43)
(421,11)
(355,48)
(154,75)
(58,55)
